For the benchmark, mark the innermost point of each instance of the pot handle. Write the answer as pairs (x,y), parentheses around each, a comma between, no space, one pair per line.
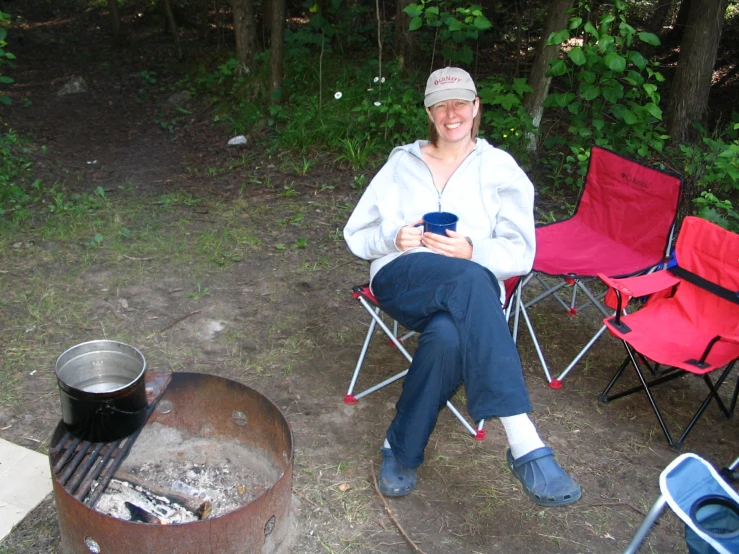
(106,409)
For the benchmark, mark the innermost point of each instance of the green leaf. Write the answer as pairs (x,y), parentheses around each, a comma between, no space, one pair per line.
(575,22)
(558,38)
(605,43)
(577,56)
(587,77)
(559,100)
(650,38)
(615,62)
(5,99)
(637,59)
(416,23)
(413,10)
(520,86)
(598,124)
(482,23)
(557,68)
(6,80)
(510,100)
(613,93)
(3,33)
(634,78)
(589,92)
(607,19)
(654,111)
(591,30)
(454,24)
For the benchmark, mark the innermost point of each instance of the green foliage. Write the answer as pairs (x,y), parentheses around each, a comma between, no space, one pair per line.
(360,118)
(342,26)
(5,57)
(456,23)
(14,175)
(505,122)
(713,167)
(611,97)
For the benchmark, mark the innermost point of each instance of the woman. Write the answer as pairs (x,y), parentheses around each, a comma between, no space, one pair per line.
(450,287)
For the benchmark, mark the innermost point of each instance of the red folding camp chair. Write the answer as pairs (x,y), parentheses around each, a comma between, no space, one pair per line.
(622,226)
(364,295)
(689,324)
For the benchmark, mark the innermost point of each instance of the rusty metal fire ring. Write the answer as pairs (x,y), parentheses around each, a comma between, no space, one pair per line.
(197,405)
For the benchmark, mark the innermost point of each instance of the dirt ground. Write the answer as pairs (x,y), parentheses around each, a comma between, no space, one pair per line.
(253,282)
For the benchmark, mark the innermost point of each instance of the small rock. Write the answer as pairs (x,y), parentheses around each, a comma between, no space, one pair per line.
(179,98)
(75,85)
(236,141)
(124,303)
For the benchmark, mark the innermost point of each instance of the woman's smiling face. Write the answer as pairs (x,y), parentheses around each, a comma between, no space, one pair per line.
(453,118)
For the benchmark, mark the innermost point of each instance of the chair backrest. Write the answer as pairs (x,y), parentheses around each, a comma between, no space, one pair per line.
(712,253)
(629,202)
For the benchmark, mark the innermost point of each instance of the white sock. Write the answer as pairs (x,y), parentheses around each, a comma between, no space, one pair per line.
(386,444)
(522,435)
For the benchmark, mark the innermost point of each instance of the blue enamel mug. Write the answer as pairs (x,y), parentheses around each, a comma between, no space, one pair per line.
(439,222)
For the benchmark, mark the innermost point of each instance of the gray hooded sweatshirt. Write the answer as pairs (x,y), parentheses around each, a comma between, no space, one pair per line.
(489,192)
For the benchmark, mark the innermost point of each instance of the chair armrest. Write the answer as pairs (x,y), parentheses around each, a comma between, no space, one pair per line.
(642,285)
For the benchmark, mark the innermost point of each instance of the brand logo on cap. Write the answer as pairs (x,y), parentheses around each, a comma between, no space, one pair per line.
(447,80)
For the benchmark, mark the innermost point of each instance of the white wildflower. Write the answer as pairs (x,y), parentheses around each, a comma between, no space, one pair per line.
(338,95)
(382,80)
(377,104)
(376,79)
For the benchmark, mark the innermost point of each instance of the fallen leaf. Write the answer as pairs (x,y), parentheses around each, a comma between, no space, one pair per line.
(344,487)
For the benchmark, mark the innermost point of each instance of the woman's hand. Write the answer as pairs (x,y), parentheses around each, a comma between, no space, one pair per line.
(409,236)
(453,245)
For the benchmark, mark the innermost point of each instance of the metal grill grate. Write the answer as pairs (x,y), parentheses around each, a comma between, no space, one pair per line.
(85,468)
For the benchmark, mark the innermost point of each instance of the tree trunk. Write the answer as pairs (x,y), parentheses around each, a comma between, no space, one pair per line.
(557,18)
(203,20)
(115,20)
(172,26)
(691,84)
(277,25)
(676,34)
(244,31)
(404,43)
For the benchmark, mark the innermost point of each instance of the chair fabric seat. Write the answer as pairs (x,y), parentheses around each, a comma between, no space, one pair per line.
(676,340)
(588,252)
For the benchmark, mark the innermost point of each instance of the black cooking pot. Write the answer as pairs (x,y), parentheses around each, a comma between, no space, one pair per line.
(102,389)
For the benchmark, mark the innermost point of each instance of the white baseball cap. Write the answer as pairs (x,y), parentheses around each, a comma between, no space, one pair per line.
(449,83)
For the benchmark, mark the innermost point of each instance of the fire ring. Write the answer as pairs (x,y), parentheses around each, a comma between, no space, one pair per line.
(199,407)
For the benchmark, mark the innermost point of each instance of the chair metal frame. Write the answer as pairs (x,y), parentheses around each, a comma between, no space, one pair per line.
(367,300)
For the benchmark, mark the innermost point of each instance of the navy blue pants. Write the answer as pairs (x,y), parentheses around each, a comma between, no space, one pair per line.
(455,304)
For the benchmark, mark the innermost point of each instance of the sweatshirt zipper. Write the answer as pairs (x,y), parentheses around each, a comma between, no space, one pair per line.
(440,192)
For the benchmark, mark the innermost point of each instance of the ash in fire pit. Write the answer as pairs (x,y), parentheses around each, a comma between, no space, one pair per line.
(164,463)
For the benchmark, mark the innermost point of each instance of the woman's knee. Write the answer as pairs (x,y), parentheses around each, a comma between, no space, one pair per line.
(441,334)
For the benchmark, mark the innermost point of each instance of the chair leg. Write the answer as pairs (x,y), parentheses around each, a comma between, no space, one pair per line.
(574,362)
(711,396)
(532,334)
(668,376)
(349,397)
(645,387)
(646,525)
